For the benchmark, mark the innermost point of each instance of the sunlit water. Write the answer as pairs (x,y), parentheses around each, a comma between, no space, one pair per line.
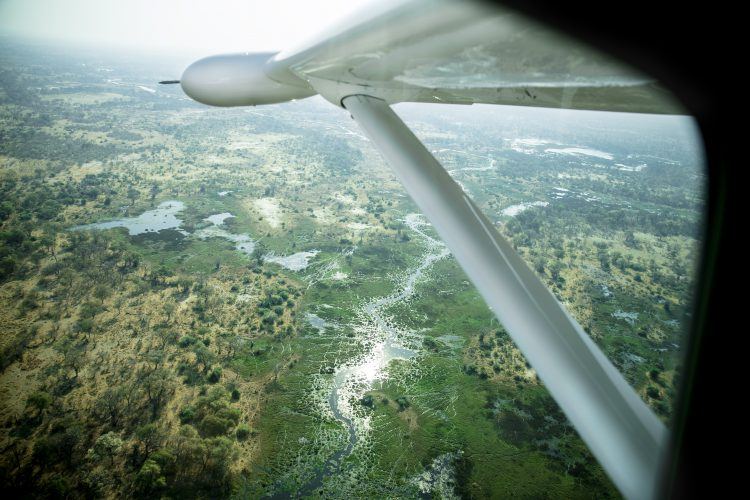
(151,221)
(385,341)
(246,244)
(242,242)
(317,322)
(164,217)
(218,219)
(294,262)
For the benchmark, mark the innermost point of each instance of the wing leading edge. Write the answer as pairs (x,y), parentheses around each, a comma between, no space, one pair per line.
(463,53)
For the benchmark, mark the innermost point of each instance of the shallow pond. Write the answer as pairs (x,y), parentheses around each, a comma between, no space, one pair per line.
(151,221)
(317,322)
(243,242)
(294,262)
(218,219)
(164,217)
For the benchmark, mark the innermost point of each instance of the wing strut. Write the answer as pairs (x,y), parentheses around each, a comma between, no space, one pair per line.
(618,427)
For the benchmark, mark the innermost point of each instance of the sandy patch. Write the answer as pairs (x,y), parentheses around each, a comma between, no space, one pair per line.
(270,210)
(324,216)
(358,226)
(346,199)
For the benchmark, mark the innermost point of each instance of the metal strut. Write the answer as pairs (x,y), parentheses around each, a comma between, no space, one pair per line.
(624,435)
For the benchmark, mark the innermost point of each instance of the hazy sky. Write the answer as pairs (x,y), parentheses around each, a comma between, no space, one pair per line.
(193,26)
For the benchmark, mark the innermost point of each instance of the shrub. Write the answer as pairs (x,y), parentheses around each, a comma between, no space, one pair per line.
(653,392)
(39,401)
(231,414)
(430,344)
(215,375)
(213,426)
(150,478)
(402,403)
(187,341)
(243,432)
(187,415)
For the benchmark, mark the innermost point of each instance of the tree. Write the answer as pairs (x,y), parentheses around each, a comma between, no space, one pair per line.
(184,284)
(402,403)
(215,375)
(8,265)
(133,194)
(187,415)
(189,451)
(166,337)
(106,446)
(43,453)
(39,401)
(159,276)
(213,426)
(68,435)
(74,357)
(169,308)
(150,438)
(101,292)
(243,432)
(221,453)
(155,357)
(203,356)
(153,192)
(48,243)
(653,392)
(258,252)
(150,478)
(158,386)
(110,406)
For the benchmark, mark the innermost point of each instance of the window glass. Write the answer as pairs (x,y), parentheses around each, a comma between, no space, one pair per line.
(201,301)
(607,209)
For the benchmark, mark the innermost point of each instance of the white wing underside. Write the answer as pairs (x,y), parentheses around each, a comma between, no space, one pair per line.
(463,53)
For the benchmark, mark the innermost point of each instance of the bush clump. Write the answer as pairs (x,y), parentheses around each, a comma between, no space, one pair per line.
(402,403)
(243,432)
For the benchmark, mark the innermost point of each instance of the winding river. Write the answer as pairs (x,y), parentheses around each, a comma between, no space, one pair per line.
(352,380)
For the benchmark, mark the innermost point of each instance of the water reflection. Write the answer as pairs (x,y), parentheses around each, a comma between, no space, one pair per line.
(152,221)
(385,343)
(294,262)
(242,242)
(164,217)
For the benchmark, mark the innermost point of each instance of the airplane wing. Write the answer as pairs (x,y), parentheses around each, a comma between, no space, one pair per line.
(465,53)
(440,51)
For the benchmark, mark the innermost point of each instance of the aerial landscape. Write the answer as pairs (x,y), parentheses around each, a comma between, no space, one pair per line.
(244,303)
